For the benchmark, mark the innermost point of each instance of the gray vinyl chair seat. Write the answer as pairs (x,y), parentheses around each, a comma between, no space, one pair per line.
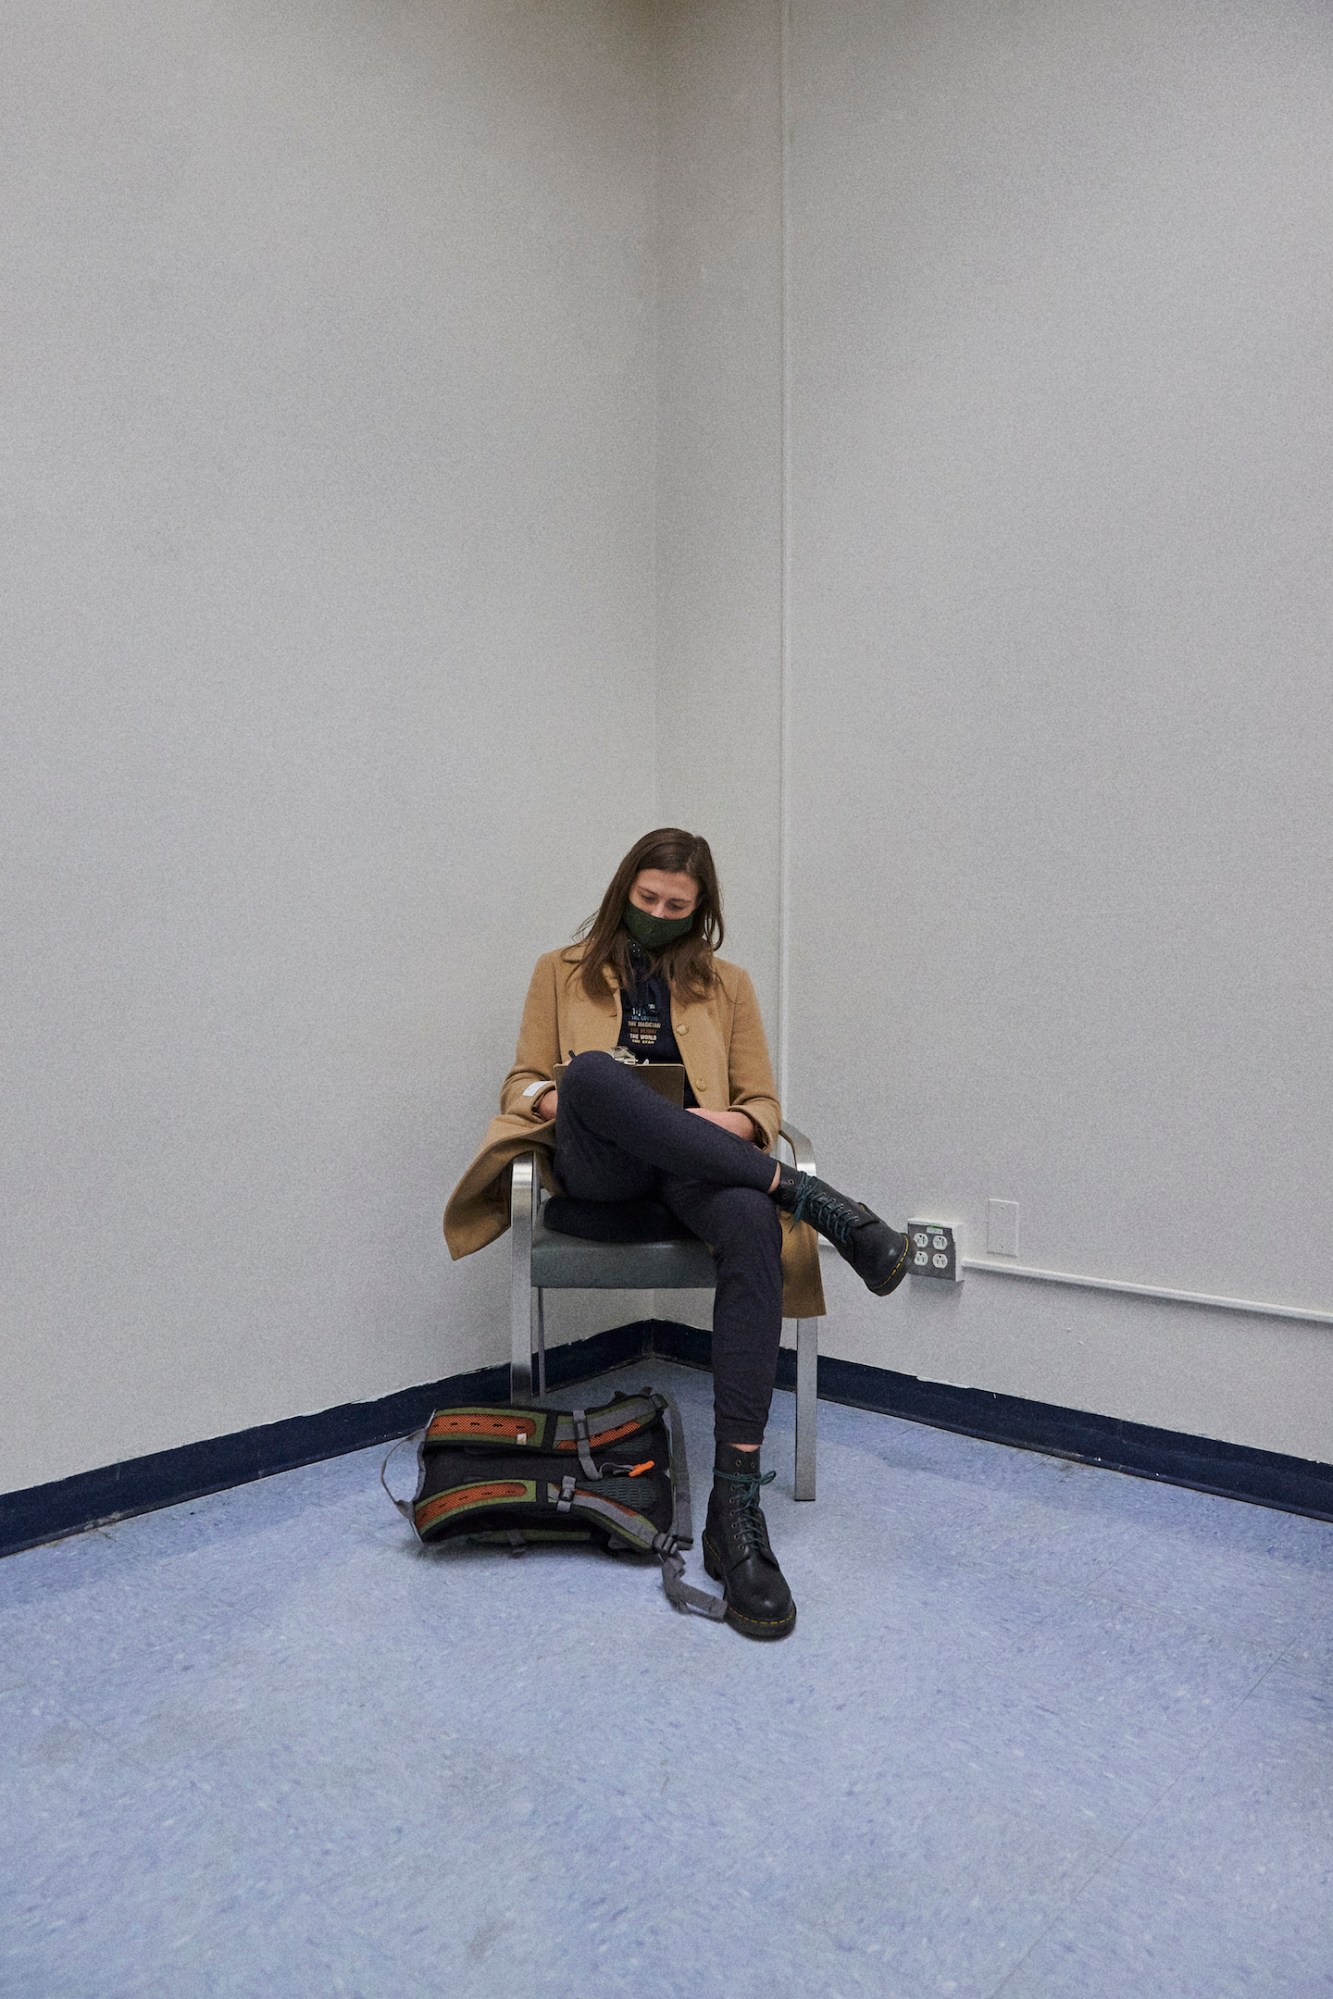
(569,1263)
(545,1259)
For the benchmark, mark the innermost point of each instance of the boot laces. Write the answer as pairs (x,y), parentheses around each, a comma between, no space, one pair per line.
(825,1211)
(745,1512)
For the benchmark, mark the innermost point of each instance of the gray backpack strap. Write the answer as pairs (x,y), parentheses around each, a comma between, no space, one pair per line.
(682,1524)
(638,1532)
(580,1419)
(404,1505)
(684,1595)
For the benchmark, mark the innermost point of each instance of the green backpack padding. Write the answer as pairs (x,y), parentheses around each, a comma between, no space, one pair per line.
(492,1472)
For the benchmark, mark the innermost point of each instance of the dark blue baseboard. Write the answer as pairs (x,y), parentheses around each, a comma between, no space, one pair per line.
(1233,1471)
(48,1512)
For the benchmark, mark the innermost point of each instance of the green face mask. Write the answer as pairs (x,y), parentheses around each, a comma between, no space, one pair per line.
(654,931)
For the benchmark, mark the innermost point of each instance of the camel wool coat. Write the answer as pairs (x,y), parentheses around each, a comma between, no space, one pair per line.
(721,1041)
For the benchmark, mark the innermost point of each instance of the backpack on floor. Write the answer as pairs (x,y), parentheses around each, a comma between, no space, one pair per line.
(515,1477)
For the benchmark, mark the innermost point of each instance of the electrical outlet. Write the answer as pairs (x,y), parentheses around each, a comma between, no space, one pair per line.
(932,1251)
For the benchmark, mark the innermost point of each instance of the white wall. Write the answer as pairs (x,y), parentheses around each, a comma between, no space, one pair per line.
(1061,468)
(719,455)
(351,493)
(329,407)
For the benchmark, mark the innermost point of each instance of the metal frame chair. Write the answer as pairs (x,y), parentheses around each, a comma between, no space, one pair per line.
(543,1260)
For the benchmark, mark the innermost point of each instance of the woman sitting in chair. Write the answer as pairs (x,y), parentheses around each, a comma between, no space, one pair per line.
(644,982)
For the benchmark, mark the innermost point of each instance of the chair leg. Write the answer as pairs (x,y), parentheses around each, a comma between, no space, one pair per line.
(522,1206)
(807,1394)
(541,1342)
(520,1360)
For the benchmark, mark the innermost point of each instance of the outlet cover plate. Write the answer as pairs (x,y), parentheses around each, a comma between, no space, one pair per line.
(933,1251)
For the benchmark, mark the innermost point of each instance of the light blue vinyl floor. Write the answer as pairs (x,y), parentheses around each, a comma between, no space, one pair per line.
(1041,1732)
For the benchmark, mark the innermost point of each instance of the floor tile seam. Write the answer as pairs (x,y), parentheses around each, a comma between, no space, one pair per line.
(1069,1902)
(1311,1677)
(1249,1694)
(1082,1588)
(1315,1579)
(978,1552)
(1075,1892)
(68,1718)
(1292,1665)
(1056,1595)
(108,1731)
(1187,1626)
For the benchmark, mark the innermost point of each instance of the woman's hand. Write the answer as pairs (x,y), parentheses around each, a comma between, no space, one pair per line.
(739,1123)
(544,1108)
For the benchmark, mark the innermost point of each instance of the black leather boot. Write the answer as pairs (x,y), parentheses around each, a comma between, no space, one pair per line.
(736,1548)
(877,1253)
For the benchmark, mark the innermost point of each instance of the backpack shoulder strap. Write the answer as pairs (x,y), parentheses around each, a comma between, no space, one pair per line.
(404,1505)
(636,1529)
(682,1523)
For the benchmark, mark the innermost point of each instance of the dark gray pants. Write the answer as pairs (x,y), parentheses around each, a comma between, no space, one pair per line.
(617,1141)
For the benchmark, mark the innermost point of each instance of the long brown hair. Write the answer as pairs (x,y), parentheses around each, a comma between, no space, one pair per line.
(686,964)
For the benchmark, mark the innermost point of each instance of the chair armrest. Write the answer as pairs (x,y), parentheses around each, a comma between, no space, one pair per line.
(802,1152)
(523,1190)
